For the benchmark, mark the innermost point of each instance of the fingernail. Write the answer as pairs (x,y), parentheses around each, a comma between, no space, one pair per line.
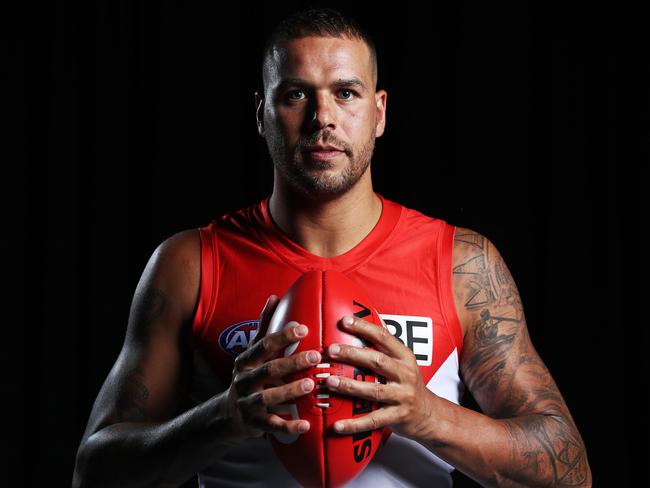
(306,385)
(301,331)
(338,426)
(347,320)
(312,357)
(333,381)
(303,427)
(334,349)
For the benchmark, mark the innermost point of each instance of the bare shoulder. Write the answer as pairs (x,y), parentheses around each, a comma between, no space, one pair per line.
(182,248)
(174,270)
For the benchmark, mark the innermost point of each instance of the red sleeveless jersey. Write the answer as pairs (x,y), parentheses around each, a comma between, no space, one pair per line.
(405,266)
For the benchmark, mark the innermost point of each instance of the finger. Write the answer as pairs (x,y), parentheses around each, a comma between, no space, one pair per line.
(376,392)
(276,395)
(374,420)
(269,346)
(274,370)
(265,317)
(365,357)
(275,423)
(380,337)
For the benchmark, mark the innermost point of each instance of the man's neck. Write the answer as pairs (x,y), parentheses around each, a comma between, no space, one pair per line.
(326,228)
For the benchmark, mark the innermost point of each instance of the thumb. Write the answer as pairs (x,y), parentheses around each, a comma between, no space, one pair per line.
(265,317)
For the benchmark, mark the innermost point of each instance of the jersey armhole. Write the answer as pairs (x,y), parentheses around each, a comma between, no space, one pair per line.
(446,286)
(208,284)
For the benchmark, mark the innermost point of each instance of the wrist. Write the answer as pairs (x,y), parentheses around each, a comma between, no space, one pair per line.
(434,427)
(224,422)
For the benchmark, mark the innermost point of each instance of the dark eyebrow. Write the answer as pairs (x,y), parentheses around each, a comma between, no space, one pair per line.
(348,82)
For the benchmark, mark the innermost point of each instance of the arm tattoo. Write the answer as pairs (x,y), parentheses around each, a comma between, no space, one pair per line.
(492,294)
(133,393)
(490,351)
(148,308)
(507,377)
(547,447)
(152,306)
(132,398)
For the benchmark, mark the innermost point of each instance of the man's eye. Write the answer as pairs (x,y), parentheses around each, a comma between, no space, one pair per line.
(346,94)
(292,92)
(347,91)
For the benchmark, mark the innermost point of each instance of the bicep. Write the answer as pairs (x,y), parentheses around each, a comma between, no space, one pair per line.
(498,363)
(150,376)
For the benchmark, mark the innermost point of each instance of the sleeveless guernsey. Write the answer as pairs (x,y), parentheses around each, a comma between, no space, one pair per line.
(405,266)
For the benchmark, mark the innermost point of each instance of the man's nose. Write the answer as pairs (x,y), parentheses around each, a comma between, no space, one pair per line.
(322,113)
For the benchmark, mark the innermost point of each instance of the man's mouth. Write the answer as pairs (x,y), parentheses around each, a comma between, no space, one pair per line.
(322,151)
(323,154)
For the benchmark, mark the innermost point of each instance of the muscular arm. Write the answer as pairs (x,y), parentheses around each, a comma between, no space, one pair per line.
(135,435)
(527,436)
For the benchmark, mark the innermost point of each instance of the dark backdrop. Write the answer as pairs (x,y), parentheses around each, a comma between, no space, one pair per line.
(133,121)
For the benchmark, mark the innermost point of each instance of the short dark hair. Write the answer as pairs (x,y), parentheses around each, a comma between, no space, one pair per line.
(318,22)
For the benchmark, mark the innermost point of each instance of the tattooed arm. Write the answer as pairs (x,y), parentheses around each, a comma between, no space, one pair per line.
(135,435)
(527,436)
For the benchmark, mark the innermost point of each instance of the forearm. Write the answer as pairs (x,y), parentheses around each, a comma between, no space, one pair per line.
(532,450)
(133,454)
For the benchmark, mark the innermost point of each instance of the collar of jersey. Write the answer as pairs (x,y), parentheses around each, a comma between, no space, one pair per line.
(303,260)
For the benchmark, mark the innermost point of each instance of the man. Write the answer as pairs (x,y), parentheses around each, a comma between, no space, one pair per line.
(192,314)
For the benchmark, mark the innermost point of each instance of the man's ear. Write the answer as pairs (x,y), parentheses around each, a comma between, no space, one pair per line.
(381,97)
(259,112)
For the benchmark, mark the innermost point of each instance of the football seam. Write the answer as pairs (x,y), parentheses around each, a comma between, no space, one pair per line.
(322,343)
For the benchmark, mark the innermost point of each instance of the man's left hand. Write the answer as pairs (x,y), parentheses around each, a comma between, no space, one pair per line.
(405,402)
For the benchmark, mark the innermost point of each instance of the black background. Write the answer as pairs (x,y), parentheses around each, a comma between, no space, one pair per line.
(133,120)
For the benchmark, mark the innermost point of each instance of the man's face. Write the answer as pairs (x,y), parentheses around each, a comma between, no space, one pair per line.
(321,91)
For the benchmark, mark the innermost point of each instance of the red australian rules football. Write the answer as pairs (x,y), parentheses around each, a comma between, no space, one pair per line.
(321,457)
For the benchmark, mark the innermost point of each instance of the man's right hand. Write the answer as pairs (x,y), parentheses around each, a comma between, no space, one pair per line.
(248,399)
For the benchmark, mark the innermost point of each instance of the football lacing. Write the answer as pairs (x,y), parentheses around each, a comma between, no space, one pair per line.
(321,386)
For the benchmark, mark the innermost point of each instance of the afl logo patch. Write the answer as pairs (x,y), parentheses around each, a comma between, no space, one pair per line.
(236,338)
